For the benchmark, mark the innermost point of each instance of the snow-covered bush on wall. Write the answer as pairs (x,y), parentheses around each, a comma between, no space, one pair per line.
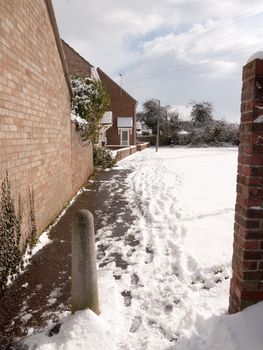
(90,101)
(103,157)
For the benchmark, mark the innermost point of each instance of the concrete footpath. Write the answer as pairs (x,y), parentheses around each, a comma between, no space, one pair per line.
(42,292)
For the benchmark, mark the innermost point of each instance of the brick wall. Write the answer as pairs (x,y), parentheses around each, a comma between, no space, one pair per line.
(82,159)
(35,126)
(143,146)
(122,105)
(123,153)
(246,284)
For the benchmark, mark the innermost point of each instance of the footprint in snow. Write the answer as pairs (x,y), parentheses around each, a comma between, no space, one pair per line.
(127,297)
(136,323)
(150,255)
(178,214)
(135,279)
(168,308)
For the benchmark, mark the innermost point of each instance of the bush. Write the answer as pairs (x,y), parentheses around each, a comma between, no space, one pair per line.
(215,133)
(102,157)
(90,101)
(10,234)
(11,244)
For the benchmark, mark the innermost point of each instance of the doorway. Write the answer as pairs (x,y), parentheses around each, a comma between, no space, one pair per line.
(124,137)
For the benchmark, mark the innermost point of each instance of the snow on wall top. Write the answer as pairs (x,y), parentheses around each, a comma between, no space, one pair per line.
(255,56)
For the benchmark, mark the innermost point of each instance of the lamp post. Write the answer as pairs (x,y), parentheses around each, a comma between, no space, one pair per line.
(158,126)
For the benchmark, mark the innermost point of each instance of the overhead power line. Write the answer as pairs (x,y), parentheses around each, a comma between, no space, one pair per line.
(120,57)
(189,50)
(155,81)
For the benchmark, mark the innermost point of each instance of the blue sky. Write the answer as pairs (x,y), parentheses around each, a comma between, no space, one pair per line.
(174,50)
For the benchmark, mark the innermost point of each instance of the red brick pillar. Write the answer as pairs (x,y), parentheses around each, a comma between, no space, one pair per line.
(247,281)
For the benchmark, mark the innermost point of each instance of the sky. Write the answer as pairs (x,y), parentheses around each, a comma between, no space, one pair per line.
(177,51)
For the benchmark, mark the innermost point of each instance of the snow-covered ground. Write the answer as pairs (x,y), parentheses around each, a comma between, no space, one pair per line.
(174,292)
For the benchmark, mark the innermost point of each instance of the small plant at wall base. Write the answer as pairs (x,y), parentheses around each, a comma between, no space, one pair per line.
(32,220)
(90,102)
(10,234)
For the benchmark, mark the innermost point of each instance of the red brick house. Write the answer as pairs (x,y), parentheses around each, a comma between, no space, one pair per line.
(77,65)
(40,147)
(123,107)
(119,123)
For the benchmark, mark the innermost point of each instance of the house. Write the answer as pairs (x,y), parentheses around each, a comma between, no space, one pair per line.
(118,125)
(40,146)
(123,107)
(78,66)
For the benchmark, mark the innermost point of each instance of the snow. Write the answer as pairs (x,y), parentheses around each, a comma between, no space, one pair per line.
(255,56)
(241,331)
(259,119)
(183,132)
(78,120)
(174,292)
(42,241)
(26,258)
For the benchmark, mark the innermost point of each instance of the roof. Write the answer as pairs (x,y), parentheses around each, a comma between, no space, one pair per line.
(77,65)
(104,76)
(58,43)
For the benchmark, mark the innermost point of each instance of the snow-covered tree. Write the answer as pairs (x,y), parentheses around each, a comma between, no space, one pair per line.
(201,114)
(175,123)
(151,111)
(90,102)
(150,114)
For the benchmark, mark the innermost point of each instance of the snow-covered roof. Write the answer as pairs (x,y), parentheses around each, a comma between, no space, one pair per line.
(107,118)
(183,132)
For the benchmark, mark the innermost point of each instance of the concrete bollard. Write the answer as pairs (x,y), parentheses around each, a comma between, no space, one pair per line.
(84,284)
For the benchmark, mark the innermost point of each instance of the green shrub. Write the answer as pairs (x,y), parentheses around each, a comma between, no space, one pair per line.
(102,157)
(11,246)
(10,234)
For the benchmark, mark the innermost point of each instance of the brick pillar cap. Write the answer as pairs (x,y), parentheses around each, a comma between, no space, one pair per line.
(256,56)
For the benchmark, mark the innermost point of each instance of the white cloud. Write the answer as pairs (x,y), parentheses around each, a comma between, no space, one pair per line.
(175,50)
(138,24)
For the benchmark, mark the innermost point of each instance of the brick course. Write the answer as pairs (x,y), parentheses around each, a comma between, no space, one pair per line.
(143,146)
(35,127)
(246,284)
